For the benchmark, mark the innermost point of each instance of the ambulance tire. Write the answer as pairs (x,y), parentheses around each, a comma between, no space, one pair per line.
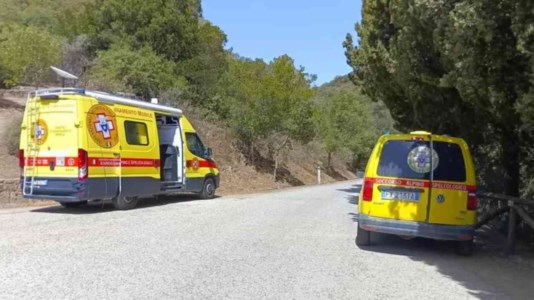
(464,248)
(208,189)
(363,237)
(124,203)
(72,204)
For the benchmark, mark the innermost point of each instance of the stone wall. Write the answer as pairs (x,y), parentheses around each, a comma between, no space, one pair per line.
(11,196)
(10,191)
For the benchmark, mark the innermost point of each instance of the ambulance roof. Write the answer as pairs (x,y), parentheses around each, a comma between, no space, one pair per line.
(108,98)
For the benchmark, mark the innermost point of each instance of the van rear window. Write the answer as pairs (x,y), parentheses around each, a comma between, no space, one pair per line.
(413,160)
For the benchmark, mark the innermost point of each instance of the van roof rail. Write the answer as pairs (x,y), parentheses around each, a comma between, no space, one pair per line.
(109,98)
(58,91)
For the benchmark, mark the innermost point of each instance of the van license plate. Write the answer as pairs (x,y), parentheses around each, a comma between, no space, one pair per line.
(40,182)
(402,196)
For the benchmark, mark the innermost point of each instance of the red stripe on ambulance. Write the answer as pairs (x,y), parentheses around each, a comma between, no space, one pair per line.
(422,184)
(46,161)
(124,162)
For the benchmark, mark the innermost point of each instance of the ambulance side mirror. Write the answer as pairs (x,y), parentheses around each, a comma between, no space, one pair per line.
(208,153)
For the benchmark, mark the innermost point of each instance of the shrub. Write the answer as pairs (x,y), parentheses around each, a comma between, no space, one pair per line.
(12,135)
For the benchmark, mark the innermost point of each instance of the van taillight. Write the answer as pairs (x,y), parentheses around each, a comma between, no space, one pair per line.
(367,190)
(472,201)
(82,164)
(21,158)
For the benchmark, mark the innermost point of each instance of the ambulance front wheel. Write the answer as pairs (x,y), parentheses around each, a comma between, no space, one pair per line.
(208,190)
(124,203)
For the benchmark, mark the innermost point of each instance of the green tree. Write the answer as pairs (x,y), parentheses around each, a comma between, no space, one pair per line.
(205,69)
(26,54)
(170,28)
(141,72)
(345,121)
(267,102)
(450,67)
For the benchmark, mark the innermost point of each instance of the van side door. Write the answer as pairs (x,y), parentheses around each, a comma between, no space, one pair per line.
(140,170)
(453,183)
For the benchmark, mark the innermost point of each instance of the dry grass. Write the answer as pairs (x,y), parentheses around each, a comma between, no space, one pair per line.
(239,175)
(10,119)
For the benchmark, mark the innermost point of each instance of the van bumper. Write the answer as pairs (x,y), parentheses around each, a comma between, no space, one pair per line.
(58,189)
(417,229)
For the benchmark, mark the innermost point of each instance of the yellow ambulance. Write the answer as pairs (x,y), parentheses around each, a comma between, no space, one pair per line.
(78,145)
(419,185)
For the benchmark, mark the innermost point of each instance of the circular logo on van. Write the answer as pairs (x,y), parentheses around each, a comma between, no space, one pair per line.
(39,132)
(195,164)
(419,159)
(102,126)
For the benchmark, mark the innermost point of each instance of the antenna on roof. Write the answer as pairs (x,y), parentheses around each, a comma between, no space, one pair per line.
(63,74)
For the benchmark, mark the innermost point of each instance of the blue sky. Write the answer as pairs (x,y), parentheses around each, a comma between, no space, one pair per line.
(311,31)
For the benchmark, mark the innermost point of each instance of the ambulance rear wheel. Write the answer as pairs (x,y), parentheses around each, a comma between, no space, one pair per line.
(363,237)
(72,204)
(208,190)
(124,203)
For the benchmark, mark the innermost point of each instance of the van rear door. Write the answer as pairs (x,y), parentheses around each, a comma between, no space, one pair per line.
(399,180)
(56,134)
(453,198)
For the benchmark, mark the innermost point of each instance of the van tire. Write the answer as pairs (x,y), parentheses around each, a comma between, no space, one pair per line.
(464,248)
(72,204)
(208,189)
(124,203)
(363,237)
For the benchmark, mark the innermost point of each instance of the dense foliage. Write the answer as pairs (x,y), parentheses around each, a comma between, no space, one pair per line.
(458,67)
(166,49)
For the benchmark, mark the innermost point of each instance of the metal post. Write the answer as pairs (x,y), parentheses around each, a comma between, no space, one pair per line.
(510,241)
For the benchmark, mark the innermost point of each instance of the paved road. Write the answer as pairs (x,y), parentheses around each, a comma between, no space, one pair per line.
(292,244)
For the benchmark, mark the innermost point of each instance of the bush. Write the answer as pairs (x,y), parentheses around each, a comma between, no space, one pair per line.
(12,135)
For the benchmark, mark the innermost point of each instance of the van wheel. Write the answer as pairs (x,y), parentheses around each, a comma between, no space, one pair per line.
(464,248)
(72,204)
(363,237)
(124,203)
(208,190)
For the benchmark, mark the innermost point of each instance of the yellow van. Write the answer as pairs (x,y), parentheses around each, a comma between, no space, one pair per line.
(419,185)
(78,145)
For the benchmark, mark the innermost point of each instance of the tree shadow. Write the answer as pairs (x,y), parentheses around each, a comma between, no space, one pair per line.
(107,206)
(486,275)
(354,193)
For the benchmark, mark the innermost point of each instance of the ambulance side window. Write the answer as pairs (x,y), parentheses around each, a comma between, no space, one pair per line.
(194,144)
(136,133)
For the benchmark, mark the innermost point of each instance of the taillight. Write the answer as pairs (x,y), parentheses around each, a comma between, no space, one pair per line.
(82,165)
(21,158)
(472,201)
(367,193)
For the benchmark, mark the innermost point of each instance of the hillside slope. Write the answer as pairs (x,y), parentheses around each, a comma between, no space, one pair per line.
(238,174)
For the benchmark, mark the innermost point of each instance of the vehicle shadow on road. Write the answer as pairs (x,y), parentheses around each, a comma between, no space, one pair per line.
(486,274)
(107,206)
